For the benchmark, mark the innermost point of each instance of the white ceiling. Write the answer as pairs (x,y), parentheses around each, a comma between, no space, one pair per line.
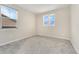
(40,8)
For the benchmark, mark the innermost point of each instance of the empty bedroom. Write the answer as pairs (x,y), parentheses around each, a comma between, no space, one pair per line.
(39,29)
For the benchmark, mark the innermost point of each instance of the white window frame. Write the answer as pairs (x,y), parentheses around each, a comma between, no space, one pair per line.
(43,20)
(16,18)
(49,20)
(54,21)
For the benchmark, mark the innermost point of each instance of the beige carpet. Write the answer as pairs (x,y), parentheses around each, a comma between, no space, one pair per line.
(38,45)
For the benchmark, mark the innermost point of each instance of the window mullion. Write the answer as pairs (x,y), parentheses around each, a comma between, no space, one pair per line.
(48,21)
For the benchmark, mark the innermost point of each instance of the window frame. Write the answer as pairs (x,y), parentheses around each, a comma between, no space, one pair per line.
(16,16)
(49,20)
(54,21)
(43,20)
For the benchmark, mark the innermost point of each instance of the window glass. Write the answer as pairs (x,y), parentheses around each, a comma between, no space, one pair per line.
(49,20)
(9,12)
(52,20)
(45,20)
(9,17)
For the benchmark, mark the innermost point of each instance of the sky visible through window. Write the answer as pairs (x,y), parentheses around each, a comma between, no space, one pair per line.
(46,20)
(49,20)
(52,20)
(10,12)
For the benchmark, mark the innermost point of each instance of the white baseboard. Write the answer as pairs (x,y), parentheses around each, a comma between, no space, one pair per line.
(17,40)
(30,37)
(55,36)
(75,47)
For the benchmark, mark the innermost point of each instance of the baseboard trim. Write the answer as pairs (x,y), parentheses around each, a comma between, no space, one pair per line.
(75,48)
(18,40)
(28,38)
(53,37)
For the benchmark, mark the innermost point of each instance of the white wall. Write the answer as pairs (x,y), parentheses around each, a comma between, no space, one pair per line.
(25,27)
(75,26)
(62,21)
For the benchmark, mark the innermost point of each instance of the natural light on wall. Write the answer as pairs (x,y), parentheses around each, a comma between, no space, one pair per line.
(8,17)
(49,20)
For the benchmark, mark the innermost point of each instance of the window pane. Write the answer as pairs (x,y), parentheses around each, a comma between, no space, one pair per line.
(45,20)
(9,12)
(52,20)
(9,17)
(0,21)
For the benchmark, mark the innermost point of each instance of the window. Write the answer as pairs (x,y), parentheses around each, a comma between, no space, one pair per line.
(52,20)
(8,17)
(49,20)
(45,20)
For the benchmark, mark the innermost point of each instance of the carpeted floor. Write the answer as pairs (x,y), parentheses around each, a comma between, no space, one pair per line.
(38,45)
